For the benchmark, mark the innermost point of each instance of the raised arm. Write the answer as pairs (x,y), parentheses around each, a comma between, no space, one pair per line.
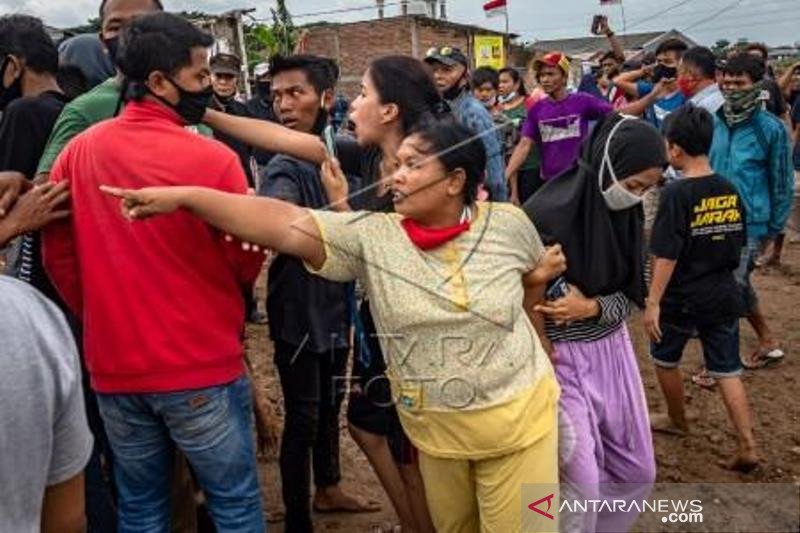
(268,136)
(616,45)
(267,222)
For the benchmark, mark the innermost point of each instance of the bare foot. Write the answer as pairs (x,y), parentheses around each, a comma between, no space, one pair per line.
(744,462)
(335,500)
(662,423)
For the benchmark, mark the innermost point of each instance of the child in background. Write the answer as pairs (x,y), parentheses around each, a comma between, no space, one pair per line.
(696,243)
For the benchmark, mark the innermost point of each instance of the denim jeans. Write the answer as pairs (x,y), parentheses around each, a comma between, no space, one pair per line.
(313,390)
(212,427)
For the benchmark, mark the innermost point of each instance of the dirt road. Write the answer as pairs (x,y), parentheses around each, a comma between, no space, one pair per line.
(773,394)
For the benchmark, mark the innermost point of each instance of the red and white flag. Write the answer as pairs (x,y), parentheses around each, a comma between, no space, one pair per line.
(495,8)
(609,2)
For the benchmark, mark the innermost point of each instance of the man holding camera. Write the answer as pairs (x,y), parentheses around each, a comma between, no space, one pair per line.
(661,96)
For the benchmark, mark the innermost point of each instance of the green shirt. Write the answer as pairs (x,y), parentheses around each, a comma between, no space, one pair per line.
(82,113)
(517,116)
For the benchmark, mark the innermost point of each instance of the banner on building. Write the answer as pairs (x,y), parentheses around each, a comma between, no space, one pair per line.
(490,51)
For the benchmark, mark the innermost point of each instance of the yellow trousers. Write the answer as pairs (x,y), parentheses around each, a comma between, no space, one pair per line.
(471,496)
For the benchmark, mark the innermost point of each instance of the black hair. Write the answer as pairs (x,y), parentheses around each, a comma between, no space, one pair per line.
(456,146)
(25,37)
(703,59)
(691,128)
(744,63)
(483,75)
(157,3)
(515,75)
(758,47)
(72,81)
(405,82)
(159,41)
(321,72)
(672,45)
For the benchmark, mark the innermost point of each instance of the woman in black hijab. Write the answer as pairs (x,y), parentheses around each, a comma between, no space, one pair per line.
(595,212)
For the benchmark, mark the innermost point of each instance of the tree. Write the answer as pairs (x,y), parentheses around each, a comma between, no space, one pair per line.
(260,42)
(283,29)
(91,26)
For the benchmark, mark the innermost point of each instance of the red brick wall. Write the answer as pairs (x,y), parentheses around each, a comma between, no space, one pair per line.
(361,42)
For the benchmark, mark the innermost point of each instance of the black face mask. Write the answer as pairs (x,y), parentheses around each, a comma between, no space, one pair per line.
(661,72)
(11,93)
(192,104)
(264,89)
(112,46)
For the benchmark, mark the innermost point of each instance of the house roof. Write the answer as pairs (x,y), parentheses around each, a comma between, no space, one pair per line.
(423,19)
(582,46)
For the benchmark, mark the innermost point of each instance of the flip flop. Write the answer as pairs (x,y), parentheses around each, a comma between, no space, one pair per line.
(763,358)
(704,381)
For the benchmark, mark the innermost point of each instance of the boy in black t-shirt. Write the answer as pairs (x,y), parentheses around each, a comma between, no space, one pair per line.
(696,243)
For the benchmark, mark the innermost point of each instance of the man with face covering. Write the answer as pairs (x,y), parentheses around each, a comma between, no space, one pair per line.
(751,149)
(167,364)
(30,101)
(594,211)
(225,73)
(451,74)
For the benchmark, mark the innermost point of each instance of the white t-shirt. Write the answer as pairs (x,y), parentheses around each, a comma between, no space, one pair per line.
(44,437)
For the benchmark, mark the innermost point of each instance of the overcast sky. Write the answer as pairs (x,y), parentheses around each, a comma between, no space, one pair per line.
(772,21)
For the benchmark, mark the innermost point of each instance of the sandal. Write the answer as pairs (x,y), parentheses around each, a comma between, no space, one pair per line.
(703,380)
(762,358)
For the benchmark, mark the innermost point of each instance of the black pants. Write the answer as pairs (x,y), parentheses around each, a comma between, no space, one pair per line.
(313,388)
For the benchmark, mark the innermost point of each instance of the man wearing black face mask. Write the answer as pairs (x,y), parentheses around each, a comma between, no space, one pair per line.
(163,345)
(104,101)
(30,99)
(451,75)
(658,99)
(260,106)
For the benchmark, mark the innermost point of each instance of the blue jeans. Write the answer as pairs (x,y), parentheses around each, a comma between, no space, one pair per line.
(212,427)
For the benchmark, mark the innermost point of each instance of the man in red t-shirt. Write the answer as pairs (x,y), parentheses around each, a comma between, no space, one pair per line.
(161,302)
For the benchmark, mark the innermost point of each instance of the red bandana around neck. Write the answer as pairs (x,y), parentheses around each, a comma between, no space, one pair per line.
(429,238)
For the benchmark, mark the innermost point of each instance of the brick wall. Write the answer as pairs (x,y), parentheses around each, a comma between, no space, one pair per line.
(355,45)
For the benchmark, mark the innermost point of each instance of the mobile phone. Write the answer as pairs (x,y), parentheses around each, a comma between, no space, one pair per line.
(662,72)
(557,289)
(597,23)
(329,138)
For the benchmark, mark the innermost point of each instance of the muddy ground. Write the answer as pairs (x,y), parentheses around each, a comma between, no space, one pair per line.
(773,393)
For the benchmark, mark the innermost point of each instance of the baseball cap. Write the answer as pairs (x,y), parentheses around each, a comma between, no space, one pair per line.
(446,55)
(226,64)
(262,69)
(553,59)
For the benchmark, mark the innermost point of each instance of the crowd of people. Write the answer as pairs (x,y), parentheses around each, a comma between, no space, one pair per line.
(456,251)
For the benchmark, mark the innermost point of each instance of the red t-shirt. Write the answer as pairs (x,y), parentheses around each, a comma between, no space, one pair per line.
(161,299)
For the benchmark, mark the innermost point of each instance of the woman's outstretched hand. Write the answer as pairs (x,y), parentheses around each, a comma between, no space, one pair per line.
(335,184)
(147,202)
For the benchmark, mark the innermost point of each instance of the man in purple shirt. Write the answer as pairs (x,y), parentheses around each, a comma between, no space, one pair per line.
(559,123)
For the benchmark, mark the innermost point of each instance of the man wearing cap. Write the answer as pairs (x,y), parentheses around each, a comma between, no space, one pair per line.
(451,74)
(225,72)
(559,123)
(260,106)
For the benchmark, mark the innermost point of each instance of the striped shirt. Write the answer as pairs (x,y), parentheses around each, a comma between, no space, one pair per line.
(614,310)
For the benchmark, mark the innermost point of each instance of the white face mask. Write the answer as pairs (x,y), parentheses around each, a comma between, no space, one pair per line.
(617,197)
(507,98)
